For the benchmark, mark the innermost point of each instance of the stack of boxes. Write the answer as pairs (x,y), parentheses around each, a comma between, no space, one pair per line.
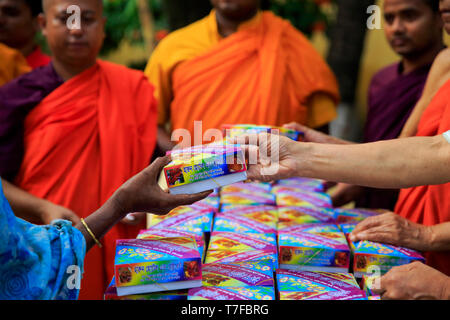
(254,241)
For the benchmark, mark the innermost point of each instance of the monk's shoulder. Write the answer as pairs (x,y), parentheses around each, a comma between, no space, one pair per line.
(442,61)
(440,70)
(186,36)
(123,75)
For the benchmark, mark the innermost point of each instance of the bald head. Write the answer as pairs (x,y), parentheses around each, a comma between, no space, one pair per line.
(46,4)
(74,37)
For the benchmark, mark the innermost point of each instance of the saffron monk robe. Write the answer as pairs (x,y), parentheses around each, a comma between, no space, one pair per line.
(18,28)
(74,131)
(12,65)
(239,65)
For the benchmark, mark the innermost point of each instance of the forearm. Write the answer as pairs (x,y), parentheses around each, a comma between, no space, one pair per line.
(24,204)
(393,164)
(440,237)
(101,221)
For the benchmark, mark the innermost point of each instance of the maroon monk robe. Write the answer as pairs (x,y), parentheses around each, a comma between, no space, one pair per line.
(17,99)
(392,97)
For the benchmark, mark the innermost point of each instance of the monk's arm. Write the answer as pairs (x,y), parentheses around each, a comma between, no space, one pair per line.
(139,194)
(392,164)
(438,76)
(34,209)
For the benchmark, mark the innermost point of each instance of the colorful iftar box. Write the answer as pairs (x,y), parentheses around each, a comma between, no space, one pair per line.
(306,285)
(247,220)
(370,256)
(314,251)
(239,274)
(347,228)
(197,170)
(368,284)
(181,217)
(354,215)
(236,130)
(155,234)
(111,294)
(318,228)
(247,199)
(303,199)
(232,293)
(146,266)
(300,215)
(233,256)
(242,241)
(209,204)
(315,185)
(246,187)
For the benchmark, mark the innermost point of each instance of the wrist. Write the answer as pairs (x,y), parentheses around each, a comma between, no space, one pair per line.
(304,154)
(119,204)
(429,238)
(446,291)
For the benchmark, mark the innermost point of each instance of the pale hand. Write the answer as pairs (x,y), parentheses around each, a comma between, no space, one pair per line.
(392,229)
(415,281)
(270,157)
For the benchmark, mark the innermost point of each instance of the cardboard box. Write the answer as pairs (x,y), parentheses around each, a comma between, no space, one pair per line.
(246,187)
(245,222)
(303,199)
(305,285)
(200,169)
(371,256)
(314,252)
(232,293)
(146,266)
(242,241)
(301,215)
(315,185)
(354,215)
(318,228)
(237,130)
(111,294)
(247,199)
(184,216)
(239,274)
(232,256)
(156,234)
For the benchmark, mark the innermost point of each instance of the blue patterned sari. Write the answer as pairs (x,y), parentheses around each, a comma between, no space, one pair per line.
(38,262)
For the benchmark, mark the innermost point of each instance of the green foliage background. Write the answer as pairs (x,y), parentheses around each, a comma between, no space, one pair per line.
(123,18)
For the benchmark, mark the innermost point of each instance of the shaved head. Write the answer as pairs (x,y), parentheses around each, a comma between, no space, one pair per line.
(75,38)
(46,4)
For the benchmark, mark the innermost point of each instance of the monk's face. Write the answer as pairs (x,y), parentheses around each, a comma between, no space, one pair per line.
(444,6)
(239,10)
(69,44)
(411,26)
(17,24)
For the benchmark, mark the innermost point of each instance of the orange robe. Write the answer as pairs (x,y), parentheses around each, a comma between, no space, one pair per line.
(12,64)
(82,142)
(430,205)
(262,74)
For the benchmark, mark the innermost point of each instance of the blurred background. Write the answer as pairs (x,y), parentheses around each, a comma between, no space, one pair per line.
(337,29)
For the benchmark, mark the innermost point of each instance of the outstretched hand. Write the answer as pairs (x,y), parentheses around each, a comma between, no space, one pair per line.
(143,194)
(270,157)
